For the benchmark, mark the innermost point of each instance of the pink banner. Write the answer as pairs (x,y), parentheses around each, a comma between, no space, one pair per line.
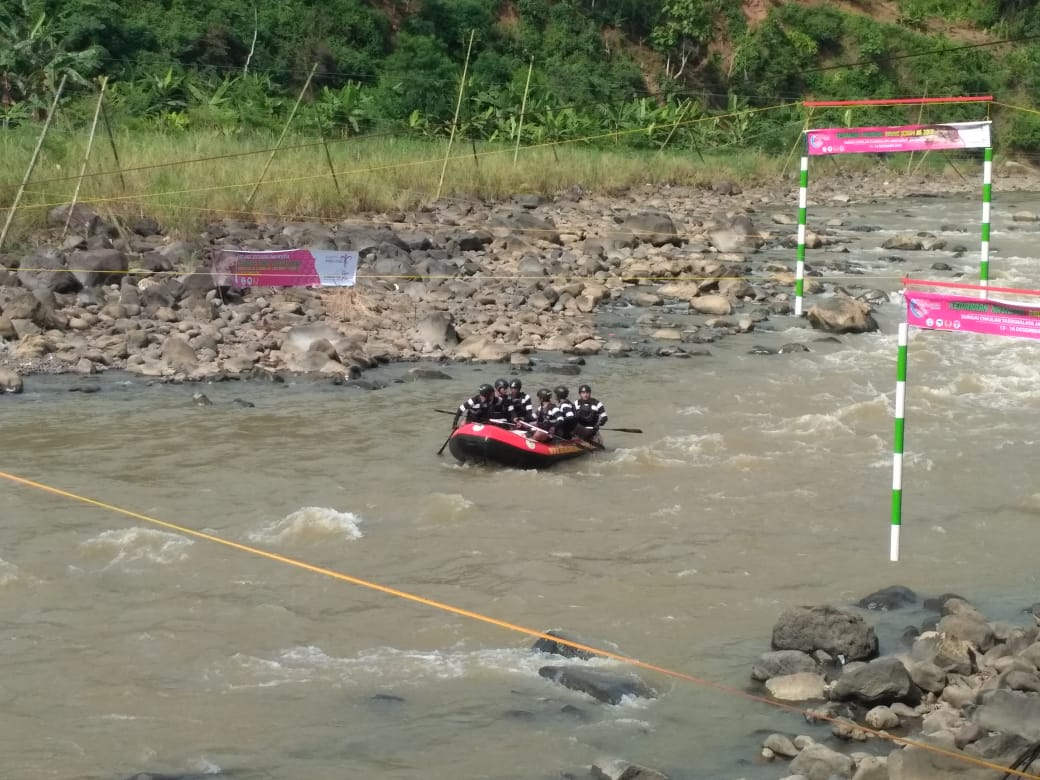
(935,311)
(903,138)
(285,268)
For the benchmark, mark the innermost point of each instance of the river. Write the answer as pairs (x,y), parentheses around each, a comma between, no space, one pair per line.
(760,482)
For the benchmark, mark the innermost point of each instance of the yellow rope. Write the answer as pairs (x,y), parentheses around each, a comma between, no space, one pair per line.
(394,166)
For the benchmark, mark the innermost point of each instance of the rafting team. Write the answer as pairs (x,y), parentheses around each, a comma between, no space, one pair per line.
(506,404)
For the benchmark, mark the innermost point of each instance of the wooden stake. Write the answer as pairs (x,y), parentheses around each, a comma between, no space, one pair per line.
(523,109)
(328,159)
(920,116)
(86,156)
(32,163)
(112,143)
(277,146)
(455,121)
(675,126)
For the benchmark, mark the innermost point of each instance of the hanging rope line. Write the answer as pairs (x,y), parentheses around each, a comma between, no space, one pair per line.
(478,616)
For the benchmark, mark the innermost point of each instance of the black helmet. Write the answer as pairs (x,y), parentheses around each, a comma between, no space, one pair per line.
(516,384)
(545,394)
(584,389)
(561,391)
(501,384)
(486,389)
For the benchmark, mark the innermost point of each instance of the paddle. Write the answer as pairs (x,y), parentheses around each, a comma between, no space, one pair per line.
(585,445)
(622,430)
(446,442)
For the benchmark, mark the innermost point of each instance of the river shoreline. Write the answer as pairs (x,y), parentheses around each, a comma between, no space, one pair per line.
(456,282)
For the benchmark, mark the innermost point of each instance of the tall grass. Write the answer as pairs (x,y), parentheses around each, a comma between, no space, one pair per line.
(189,179)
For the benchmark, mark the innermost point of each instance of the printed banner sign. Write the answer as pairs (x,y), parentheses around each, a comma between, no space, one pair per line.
(935,311)
(285,268)
(903,138)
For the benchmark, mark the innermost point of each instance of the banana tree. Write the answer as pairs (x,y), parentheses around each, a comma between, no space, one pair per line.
(33,57)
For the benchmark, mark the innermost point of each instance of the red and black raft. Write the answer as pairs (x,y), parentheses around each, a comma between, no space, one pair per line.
(480,443)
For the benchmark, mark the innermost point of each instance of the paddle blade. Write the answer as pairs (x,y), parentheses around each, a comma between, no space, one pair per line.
(445,442)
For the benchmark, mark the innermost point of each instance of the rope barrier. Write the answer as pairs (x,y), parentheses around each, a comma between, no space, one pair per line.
(966,286)
(398,166)
(530,632)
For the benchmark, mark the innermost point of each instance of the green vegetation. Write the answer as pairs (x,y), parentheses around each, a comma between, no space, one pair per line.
(657,83)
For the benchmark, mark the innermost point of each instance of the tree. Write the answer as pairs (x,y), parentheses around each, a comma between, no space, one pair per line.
(33,58)
(418,76)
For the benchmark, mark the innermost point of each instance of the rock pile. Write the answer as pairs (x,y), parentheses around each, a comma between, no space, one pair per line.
(963,700)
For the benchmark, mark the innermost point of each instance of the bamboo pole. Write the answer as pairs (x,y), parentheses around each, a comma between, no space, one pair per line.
(328,159)
(32,163)
(112,143)
(675,125)
(277,146)
(455,121)
(920,116)
(86,156)
(523,110)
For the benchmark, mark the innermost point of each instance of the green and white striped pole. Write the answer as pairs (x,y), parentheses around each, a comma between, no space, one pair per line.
(897,444)
(799,273)
(987,194)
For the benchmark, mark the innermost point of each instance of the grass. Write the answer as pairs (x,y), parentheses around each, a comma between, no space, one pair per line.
(188,180)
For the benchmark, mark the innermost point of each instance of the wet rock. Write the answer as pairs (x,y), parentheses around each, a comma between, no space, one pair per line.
(563,649)
(881,681)
(892,597)
(801,686)
(825,628)
(619,769)
(782,662)
(605,686)
(842,315)
(10,381)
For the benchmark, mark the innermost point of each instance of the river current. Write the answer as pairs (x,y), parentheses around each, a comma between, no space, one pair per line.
(760,482)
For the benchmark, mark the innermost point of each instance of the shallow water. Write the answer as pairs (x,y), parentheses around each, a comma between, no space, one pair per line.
(760,482)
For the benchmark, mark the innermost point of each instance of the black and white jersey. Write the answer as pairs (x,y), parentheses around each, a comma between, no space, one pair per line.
(474,410)
(545,417)
(500,406)
(520,408)
(565,410)
(591,413)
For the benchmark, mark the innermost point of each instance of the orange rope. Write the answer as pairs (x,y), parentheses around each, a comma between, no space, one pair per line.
(505,624)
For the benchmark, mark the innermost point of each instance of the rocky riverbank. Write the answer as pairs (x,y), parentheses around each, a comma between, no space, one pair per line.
(456,281)
(956,696)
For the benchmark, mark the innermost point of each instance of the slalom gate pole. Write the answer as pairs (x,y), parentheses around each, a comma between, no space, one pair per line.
(987,194)
(897,443)
(803,197)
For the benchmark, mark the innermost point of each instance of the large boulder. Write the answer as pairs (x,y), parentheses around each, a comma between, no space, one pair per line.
(45,271)
(300,338)
(1009,712)
(601,684)
(436,331)
(98,266)
(10,381)
(826,628)
(737,234)
(882,681)
(653,227)
(842,315)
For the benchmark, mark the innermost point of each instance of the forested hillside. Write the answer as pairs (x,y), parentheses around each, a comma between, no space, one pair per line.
(599,70)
